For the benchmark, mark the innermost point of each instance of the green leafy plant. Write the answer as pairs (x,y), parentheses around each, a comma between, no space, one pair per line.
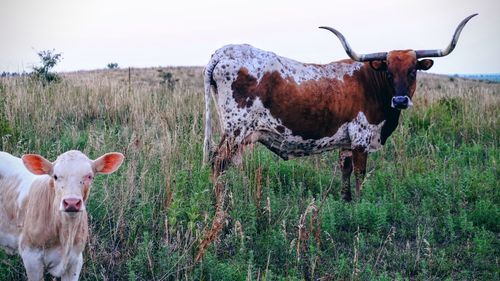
(48,60)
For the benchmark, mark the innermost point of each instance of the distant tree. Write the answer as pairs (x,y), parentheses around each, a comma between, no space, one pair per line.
(12,74)
(48,59)
(167,79)
(112,65)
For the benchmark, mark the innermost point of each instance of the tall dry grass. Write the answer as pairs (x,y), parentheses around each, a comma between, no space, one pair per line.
(148,219)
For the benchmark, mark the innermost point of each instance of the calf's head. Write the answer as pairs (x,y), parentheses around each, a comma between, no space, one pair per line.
(72,174)
(400,67)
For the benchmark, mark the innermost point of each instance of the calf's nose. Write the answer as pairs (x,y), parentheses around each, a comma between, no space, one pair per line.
(72,204)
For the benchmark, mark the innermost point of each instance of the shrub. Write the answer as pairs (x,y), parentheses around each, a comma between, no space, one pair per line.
(112,65)
(167,79)
(48,59)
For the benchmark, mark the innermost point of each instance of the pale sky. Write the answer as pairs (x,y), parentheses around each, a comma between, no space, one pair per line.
(143,33)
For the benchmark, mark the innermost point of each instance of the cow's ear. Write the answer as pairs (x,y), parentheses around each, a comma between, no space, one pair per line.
(378,65)
(37,164)
(108,163)
(425,64)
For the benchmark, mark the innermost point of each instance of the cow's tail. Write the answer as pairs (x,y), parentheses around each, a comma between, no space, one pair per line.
(209,83)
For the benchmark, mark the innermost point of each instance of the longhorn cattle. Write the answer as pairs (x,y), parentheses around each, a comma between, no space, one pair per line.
(297,109)
(42,209)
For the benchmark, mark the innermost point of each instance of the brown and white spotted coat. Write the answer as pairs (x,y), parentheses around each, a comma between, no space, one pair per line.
(42,209)
(297,109)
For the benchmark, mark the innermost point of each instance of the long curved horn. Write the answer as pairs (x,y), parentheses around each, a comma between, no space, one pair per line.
(449,49)
(353,55)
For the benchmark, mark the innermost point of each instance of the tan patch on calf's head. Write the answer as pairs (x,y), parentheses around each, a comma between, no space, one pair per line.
(86,189)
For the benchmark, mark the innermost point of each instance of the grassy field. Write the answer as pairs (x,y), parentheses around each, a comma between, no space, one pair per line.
(430,208)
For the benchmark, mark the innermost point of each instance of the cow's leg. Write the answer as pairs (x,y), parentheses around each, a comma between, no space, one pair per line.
(33,263)
(222,157)
(359,157)
(345,162)
(74,268)
(228,152)
(220,161)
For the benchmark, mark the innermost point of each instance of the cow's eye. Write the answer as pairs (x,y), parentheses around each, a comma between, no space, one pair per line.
(389,76)
(55,177)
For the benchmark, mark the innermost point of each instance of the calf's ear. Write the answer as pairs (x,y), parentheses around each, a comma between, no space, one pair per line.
(37,164)
(108,163)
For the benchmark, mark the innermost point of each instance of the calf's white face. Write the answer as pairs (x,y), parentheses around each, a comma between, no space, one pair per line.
(72,174)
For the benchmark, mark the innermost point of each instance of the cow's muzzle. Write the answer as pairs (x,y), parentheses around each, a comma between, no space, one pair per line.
(401,102)
(72,205)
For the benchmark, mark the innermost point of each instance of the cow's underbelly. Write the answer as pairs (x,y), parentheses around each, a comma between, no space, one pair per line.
(357,133)
(288,146)
(251,126)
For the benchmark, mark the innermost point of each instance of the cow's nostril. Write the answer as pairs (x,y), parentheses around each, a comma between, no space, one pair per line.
(400,99)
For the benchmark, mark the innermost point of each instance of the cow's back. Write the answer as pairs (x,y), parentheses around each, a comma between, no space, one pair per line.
(232,58)
(15,183)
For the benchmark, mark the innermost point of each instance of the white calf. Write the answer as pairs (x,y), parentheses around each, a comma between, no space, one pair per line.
(42,209)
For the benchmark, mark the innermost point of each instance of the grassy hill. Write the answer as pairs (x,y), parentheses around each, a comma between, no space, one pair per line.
(430,208)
